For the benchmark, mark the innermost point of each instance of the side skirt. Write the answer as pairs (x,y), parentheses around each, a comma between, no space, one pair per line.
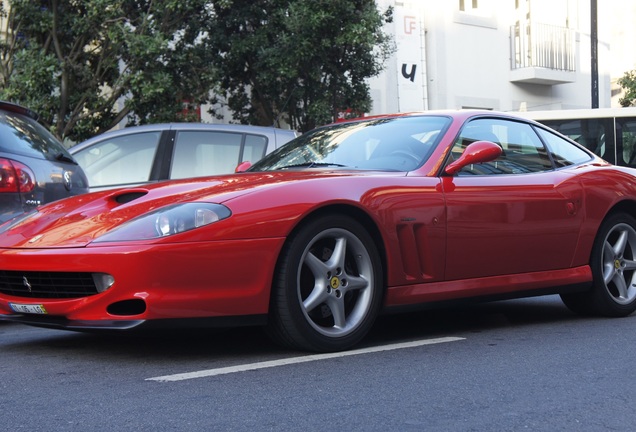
(488,289)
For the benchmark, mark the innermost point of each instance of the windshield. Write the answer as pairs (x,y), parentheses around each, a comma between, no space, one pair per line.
(388,144)
(22,135)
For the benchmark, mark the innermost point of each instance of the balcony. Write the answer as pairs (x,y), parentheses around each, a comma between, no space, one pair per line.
(542,54)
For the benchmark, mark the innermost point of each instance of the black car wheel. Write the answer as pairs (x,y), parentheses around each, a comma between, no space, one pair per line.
(328,288)
(613,263)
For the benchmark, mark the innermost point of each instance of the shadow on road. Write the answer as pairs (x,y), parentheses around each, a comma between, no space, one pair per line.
(471,318)
(251,342)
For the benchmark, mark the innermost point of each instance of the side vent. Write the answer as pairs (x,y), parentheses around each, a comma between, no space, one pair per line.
(415,251)
(409,252)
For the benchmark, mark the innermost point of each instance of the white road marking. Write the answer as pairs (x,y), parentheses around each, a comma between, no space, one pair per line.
(296,360)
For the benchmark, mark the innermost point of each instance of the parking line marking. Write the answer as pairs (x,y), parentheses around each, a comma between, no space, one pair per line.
(297,360)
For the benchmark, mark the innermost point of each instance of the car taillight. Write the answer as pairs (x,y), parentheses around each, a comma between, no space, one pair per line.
(15,177)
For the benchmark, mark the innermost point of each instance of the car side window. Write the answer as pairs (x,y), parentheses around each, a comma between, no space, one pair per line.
(522,150)
(626,141)
(119,160)
(203,153)
(594,134)
(563,152)
(255,147)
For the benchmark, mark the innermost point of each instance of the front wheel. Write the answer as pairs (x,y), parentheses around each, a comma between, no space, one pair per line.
(613,263)
(328,287)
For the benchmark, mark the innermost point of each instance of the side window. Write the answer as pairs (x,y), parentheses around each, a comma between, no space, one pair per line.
(255,146)
(202,153)
(626,141)
(120,160)
(563,152)
(523,151)
(596,135)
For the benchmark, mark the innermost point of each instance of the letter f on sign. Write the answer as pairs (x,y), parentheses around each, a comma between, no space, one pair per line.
(410,24)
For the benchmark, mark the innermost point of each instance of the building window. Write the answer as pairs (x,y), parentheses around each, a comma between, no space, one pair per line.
(474,5)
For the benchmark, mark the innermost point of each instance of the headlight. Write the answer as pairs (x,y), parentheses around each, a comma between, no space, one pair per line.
(167,221)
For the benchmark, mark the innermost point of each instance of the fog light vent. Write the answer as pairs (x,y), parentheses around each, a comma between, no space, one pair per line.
(127,307)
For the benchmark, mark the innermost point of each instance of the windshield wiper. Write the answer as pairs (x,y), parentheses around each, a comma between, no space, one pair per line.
(312,165)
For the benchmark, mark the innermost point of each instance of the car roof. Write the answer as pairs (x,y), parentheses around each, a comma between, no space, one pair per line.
(457,114)
(187,126)
(159,127)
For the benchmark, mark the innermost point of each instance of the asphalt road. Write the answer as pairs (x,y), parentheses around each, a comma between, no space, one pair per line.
(508,366)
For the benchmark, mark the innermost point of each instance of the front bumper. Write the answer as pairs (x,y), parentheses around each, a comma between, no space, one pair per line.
(185,281)
(61,323)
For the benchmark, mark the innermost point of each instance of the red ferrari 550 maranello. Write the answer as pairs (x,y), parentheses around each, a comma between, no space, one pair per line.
(342,223)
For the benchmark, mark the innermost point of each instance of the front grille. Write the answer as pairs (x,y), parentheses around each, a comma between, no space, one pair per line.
(53,285)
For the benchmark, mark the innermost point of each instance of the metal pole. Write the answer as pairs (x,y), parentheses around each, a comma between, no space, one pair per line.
(594,44)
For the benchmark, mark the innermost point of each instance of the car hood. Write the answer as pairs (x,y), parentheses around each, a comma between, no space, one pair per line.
(77,221)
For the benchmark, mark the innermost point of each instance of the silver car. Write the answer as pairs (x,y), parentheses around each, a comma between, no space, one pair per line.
(143,154)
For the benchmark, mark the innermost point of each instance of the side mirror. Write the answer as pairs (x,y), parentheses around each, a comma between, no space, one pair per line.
(243,166)
(477,152)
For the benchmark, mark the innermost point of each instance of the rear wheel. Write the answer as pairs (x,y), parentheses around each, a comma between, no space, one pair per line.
(613,263)
(328,288)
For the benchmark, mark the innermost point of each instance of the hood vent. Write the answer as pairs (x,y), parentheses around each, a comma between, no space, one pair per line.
(129,196)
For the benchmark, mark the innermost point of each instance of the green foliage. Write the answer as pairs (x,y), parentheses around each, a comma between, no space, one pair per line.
(85,65)
(628,82)
(306,60)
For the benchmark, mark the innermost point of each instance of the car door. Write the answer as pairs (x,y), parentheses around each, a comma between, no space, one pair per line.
(118,160)
(513,215)
(199,153)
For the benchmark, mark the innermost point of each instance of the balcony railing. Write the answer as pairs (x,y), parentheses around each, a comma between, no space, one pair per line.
(542,46)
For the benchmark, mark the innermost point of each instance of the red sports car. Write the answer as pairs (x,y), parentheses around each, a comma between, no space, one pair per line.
(341,224)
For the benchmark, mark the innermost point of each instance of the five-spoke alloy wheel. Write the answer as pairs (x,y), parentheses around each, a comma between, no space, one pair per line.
(613,263)
(328,287)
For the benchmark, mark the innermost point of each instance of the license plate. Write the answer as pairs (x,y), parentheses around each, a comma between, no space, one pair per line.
(28,308)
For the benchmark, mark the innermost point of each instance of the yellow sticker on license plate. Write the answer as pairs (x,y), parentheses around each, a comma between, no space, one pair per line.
(28,308)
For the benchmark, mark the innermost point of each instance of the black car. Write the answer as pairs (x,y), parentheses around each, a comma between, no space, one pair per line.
(35,168)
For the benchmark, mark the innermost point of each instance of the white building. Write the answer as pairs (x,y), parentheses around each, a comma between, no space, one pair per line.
(617,18)
(505,55)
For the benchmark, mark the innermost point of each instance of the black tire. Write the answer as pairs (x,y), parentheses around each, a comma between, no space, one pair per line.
(613,264)
(327,289)
(579,303)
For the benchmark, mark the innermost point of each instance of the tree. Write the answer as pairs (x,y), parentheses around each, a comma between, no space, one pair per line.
(85,65)
(628,82)
(306,60)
